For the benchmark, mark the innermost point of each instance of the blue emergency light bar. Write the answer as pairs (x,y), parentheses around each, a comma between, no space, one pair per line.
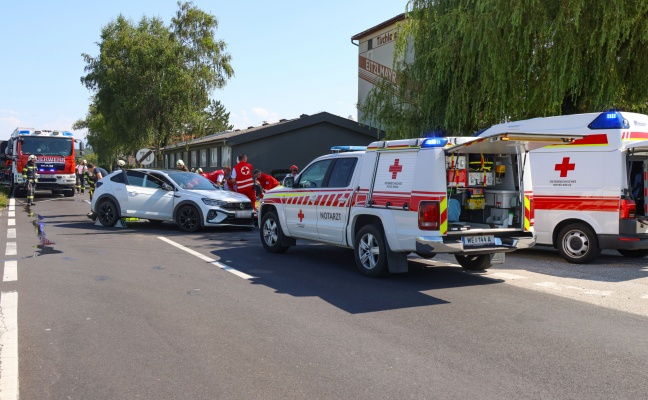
(342,149)
(609,120)
(434,142)
(24,132)
(66,133)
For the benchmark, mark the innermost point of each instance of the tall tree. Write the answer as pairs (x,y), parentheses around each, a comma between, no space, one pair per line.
(463,65)
(150,81)
(106,145)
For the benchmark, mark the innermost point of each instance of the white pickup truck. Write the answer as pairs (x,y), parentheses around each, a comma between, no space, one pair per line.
(468,196)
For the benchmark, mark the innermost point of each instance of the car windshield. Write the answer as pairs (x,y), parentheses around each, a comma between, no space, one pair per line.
(192,181)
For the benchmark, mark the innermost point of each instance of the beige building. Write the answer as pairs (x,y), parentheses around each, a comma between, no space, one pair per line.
(375,56)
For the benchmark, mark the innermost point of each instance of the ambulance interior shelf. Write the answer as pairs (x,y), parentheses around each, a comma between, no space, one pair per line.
(486,187)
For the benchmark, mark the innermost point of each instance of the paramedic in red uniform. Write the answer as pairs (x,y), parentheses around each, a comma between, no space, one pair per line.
(266,181)
(215,176)
(242,174)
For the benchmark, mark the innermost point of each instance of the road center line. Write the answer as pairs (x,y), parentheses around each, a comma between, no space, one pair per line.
(12,249)
(10,271)
(11,233)
(207,259)
(9,345)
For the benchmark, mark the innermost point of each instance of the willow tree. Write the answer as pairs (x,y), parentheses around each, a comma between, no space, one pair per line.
(151,81)
(463,65)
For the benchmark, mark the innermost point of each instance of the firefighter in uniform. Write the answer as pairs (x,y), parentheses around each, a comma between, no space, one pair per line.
(30,177)
(242,173)
(181,166)
(93,174)
(80,176)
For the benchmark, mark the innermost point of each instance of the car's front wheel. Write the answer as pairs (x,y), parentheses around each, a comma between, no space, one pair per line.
(188,218)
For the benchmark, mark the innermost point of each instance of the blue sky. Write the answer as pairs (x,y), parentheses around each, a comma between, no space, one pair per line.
(290,57)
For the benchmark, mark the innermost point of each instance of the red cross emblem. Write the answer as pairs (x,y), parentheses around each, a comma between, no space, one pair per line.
(564,167)
(245,170)
(396,168)
(301,215)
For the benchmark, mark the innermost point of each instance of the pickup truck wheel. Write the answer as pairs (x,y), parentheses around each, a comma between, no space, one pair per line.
(371,252)
(577,243)
(641,253)
(271,233)
(477,262)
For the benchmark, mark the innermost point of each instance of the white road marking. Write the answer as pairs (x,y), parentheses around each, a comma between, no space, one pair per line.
(11,222)
(12,204)
(207,259)
(10,271)
(9,345)
(505,275)
(11,233)
(11,214)
(12,249)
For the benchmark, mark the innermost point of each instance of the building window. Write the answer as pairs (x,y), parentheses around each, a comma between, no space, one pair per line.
(194,159)
(203,157)
(226,156)
(214,157)
(166,161)
(369,44)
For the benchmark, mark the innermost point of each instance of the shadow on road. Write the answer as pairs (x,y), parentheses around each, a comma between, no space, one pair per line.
(330,273)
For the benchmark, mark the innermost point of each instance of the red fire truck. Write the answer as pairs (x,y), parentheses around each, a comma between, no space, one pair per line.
(55,159)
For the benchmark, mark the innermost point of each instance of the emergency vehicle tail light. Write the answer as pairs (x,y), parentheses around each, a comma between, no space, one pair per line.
(628,209)
(609,120)
(429,216)
(434,142)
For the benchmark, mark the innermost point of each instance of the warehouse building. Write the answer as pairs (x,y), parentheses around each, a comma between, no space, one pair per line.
(274,146)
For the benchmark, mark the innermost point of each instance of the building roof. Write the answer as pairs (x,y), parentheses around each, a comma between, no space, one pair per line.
(252,133)
(378,27)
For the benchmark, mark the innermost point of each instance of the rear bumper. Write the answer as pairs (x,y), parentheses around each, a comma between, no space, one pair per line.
(441,244)
(623,242)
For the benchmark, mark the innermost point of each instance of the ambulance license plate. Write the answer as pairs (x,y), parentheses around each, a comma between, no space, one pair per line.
(244,214)
(478,240)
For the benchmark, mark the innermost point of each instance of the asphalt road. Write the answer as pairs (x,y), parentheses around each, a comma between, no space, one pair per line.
(148,312)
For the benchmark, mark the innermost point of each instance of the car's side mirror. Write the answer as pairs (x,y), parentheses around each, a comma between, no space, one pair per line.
(167,187)
(289,181)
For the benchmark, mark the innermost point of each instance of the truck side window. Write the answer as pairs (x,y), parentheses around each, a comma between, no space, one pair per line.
(313,176)
(342,172)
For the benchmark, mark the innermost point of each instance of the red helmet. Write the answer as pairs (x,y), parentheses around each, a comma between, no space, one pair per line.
(294,168)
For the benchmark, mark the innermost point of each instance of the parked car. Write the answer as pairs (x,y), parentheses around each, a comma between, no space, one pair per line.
(189,199)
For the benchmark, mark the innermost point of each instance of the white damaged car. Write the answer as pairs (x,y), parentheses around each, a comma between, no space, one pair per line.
(189,199)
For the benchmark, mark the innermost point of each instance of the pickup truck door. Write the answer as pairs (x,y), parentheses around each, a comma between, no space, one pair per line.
(335,199)
(301,206)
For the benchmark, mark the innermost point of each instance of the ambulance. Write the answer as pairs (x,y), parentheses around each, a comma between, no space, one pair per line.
(466,196)
(590,194)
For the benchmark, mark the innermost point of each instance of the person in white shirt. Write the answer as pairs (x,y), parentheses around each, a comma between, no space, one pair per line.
(80,177)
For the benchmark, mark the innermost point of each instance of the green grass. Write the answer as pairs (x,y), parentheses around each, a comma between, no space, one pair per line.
(4,196)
